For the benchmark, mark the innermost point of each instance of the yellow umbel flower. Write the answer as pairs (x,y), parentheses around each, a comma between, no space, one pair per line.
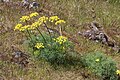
(39,45)
(97,60)
(18,26)
(35,25)
(61,39)
(53,18)
(22,29)
(34,14)
(24,18)
(59,22)
(43,19)
(118,72)
(26,27)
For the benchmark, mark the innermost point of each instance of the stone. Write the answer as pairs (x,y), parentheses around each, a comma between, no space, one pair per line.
(20,58)
(34,5)
(25,3)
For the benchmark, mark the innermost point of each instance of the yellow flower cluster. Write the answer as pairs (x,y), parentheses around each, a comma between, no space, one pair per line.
(59,22)
(97,60)
(39,45)
(18,26)
(53,18)
(24,18)
(33,14)
(56,19)
(27,18)
(118,72)
(61,39)
(43,19)
(35,25)
(26,27)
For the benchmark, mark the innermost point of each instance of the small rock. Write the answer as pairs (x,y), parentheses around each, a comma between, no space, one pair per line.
(34,5)
(25,3)
(20,58)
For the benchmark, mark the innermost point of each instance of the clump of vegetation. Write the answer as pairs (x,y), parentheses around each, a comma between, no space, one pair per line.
(49,47)
(54,51)
(101,65)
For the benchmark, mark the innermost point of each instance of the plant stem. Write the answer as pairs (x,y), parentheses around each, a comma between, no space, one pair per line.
(31,41)
(41,35)
(60,30)
(48,31)
(30,37)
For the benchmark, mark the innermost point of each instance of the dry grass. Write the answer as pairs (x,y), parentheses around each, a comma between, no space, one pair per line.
(77,13)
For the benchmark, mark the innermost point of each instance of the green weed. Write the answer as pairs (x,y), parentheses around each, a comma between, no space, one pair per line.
(101,65)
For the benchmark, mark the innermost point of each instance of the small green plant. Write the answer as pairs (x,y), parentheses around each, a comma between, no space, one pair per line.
(101,65)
